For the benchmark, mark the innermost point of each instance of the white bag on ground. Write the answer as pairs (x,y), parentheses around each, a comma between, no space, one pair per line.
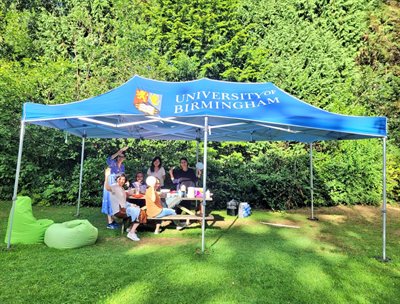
(244,210)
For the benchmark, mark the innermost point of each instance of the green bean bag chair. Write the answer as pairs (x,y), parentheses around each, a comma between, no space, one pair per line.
(26,228)
(72,234)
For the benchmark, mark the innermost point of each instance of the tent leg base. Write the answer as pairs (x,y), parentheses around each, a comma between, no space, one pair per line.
(313,219)
(381,259)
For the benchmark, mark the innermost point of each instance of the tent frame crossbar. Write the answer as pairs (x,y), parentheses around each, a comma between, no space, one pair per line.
(119,125)
(277,128)
(228,125)
(181,122)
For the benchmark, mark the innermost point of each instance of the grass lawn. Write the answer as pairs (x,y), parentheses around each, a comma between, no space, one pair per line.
(329,261)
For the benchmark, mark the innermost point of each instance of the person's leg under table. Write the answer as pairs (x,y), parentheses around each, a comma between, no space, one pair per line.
(172,202)
(164,212)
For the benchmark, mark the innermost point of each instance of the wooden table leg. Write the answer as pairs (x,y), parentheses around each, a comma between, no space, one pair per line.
(157,231)
(186,210)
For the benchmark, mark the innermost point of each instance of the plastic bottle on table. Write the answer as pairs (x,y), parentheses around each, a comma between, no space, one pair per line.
(183,191)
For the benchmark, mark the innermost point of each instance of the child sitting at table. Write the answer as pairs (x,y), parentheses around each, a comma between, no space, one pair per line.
(138,185)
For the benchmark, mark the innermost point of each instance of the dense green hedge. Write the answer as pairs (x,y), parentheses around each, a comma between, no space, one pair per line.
(267,175)
(342,56)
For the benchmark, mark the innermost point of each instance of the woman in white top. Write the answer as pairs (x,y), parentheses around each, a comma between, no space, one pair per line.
(157,170)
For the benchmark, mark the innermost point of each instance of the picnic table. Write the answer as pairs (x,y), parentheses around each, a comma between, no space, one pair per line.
(139,199)
(187,216)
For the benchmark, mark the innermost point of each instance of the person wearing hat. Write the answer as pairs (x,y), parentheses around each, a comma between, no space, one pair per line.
(115,166)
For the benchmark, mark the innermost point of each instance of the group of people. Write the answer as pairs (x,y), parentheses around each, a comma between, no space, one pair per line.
(115,203)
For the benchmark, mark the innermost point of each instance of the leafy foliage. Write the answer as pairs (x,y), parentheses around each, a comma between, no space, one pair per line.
(340,55)
(379,59)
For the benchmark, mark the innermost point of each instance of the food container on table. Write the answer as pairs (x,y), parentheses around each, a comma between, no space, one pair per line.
(191,192)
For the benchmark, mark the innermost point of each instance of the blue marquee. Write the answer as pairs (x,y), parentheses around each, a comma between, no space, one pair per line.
(202,109)
(145,108)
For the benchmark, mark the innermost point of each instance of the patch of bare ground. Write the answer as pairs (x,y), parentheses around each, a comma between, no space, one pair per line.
(336,215)
(284,221)
(340,214)
(358,220)
(238,222)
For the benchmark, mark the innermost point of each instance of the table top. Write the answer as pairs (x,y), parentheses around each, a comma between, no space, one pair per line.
(163,195)
(136,196)
(194,198)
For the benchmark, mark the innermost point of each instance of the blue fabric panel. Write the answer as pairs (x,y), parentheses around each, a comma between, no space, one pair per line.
(223,102)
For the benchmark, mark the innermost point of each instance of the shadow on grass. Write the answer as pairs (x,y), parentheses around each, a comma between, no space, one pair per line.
(224,232)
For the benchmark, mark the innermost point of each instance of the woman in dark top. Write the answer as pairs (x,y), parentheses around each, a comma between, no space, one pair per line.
(184,175)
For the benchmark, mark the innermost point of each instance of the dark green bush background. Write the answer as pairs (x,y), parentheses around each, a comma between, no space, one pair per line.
(342,56)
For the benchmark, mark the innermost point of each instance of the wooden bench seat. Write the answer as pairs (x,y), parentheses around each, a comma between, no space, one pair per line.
(181,217)
(163,220)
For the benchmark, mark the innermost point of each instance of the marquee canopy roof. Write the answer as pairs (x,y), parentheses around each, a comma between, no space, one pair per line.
(145,108)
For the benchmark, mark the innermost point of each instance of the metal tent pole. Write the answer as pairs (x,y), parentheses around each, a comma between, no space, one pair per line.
(312,218)
(197,149)
(384,257)
(197,154)
(14,197)
(203,210)
(81,175)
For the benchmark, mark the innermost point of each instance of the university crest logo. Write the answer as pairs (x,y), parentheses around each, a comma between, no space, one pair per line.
(147,102)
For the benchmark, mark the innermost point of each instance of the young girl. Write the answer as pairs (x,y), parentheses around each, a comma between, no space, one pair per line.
(139,184)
